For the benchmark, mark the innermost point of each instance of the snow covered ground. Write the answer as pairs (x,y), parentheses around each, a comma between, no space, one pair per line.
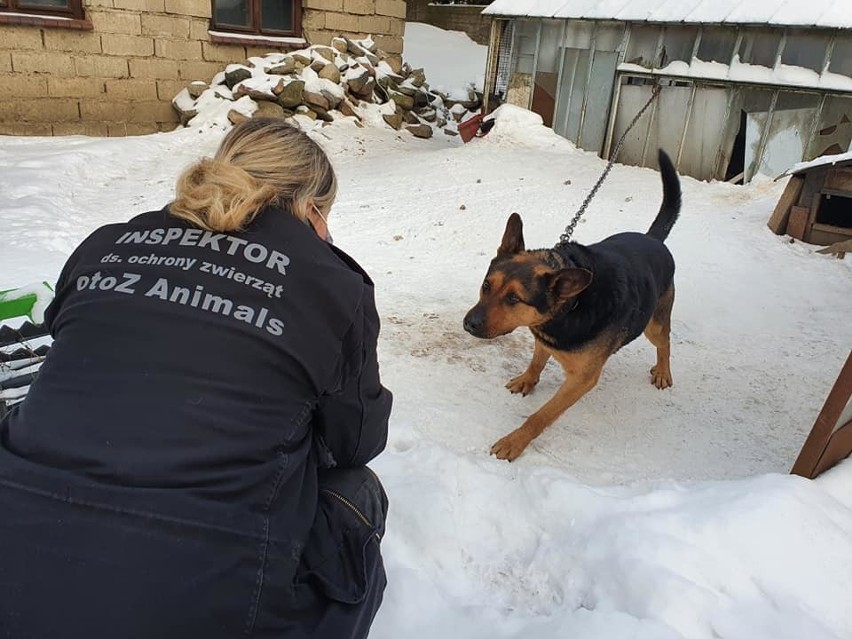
(641,513)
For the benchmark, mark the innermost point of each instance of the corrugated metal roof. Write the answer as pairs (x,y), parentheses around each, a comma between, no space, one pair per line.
(794,13)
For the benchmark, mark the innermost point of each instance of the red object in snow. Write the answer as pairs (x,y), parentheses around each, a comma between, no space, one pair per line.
(470,127)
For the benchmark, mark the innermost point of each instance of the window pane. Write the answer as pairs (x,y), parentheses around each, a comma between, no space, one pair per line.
(760,47)
(277,15)
(805,49)
(525,38)
(717,44)
(642,48)
(678,43)
(841,56)
(548,49)
(52,4)
(234,12)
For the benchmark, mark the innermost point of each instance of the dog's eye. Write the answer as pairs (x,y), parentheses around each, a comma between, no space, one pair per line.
(486,286)
(512,299)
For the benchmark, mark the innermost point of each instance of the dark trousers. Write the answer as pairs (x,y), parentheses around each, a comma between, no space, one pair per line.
(342,557)
(75,572)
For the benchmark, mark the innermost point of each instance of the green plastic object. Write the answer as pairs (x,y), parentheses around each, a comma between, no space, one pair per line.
(29,301)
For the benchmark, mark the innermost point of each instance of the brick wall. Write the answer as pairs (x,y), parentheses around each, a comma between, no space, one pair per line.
(119,77)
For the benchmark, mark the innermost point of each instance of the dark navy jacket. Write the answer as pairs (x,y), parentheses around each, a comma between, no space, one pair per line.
(196,382)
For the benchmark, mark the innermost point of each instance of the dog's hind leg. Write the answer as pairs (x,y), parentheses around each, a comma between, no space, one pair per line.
(658,333)
(526,381)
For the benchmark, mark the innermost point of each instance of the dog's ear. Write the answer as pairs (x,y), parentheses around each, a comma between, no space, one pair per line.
(568,282)
(513,236)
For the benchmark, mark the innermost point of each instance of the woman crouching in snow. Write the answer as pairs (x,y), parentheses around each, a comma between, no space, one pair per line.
(191,461)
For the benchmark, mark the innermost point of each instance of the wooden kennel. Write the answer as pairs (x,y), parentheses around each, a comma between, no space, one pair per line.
(816,206)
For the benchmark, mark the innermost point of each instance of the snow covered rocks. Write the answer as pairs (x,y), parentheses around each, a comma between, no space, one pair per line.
(325,83)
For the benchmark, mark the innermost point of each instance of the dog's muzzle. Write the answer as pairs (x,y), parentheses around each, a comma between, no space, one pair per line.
(474,321)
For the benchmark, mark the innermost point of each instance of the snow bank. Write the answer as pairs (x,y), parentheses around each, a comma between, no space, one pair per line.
(517,552)
(452,61)
(516,126)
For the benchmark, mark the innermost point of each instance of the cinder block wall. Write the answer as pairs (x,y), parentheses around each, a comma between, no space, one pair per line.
(383,19)
(119,77)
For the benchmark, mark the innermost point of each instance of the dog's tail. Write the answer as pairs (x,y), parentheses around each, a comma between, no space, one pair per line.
(670,208)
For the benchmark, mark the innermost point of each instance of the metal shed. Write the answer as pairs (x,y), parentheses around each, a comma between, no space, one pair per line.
(747,88)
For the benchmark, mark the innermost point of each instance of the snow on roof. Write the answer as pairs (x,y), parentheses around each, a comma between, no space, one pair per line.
(781,75)
(820,161)
(814,13)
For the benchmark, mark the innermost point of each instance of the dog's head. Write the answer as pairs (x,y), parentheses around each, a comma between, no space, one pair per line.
(521,288)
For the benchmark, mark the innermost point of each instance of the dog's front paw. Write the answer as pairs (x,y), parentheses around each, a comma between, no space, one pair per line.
(523,384)
(660,377)
(511,446)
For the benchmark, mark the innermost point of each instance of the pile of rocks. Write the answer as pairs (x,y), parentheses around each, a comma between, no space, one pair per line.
(326,83)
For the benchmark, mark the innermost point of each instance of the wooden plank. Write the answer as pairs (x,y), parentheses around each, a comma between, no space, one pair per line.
(814,179)
(778,220)
(829,228)
(840,179)
(839,448)
(797,225)
(838,249)
(837,192)
(816,203)
(817,441)
(822,237)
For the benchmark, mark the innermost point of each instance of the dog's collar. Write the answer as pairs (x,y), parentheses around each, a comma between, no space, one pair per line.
(554,259)
(574,305)
(560,259)
(540,331)
(565,310)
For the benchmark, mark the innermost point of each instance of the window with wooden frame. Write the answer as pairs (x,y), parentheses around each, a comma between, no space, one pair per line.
(62,8)
(275,18)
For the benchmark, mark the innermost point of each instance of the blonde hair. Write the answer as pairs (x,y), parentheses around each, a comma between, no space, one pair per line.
(260,162)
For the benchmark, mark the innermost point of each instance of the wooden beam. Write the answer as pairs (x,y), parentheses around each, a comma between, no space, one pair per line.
(838,448)
(797,225)
(778,220)
(839,179)
(830,228)
(535,63)
(838,249)
(808,464)
(491,63)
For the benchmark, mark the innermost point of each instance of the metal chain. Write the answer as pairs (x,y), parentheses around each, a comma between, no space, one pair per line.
(569,230)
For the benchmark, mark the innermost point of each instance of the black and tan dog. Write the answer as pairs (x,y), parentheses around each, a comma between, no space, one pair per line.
(581,303)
